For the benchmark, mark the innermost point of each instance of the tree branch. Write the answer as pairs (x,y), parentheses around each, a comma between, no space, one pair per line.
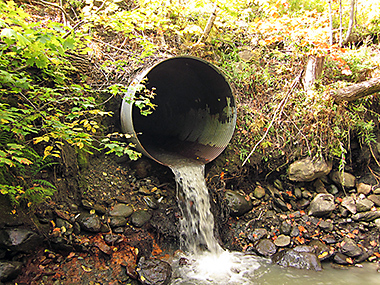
(356,91)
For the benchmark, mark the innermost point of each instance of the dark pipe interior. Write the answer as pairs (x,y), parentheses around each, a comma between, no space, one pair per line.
(188,93)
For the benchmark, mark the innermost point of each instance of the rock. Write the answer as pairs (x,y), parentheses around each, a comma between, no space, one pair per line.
(140,217)
(325,225)
(295,231)
(340,258)
(363,188)
(117,221)
(281,204)
(366,216)
(19,240)
(350,248)
(259,192)
(300,260)
(9,270)
(375,199)
(322,250)
(121,210)
(266,247)
(303,248)
(87,204)
(153,271)
(377,223)
(322,205)
(298,193)
(282,241)
(364,205)
(257,234)
(319,186)
(308,169)
(285,227)
(142,167)
(348,202)
(332,189)
(343,179)
(89,222)
(112,239)
(101,210)
(238,204)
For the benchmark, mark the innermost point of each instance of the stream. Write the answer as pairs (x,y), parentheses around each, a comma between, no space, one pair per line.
(203,261)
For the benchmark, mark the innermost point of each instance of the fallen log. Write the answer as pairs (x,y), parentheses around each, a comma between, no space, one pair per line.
(356,91)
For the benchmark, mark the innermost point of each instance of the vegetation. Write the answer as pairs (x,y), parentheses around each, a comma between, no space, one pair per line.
(62,61)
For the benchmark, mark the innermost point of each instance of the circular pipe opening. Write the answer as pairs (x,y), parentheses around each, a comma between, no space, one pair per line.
(195,112)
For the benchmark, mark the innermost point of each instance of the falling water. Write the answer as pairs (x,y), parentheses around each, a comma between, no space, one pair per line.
(202,260)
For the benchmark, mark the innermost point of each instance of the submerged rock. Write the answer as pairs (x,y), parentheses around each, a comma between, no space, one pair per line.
(296,259)
(266,247)
(238,204)
(153,271)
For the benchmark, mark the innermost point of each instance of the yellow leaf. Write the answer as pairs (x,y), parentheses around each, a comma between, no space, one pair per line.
(47,151)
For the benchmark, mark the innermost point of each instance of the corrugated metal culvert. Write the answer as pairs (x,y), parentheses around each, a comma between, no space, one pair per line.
(195,115)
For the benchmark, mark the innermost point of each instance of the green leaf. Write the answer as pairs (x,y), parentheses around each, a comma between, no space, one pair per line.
(8,33)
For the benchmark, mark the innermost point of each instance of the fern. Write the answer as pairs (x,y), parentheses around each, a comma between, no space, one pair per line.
(45,183)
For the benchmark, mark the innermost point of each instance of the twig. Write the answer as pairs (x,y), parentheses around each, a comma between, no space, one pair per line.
(209,25)
(112,46)
(280,108)
(56,6)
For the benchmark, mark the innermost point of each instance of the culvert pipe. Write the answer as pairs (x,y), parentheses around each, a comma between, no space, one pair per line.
(195,112)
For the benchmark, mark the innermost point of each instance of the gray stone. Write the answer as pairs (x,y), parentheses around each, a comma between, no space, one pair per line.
(140,217)
(19,240)
(9,270)
(364,205)
(257,234)
(246,54)
(259,192)
(117,221)
(319,186)
(348,202)
(300,260)
(153,271)
(326,225)
(332,189)
(266,247)
(350,248)
(345,179)
(308,169)
(237,203)
(364,188)
(295,231)
(285,227)
(282,241)
(375,199)
(366,216)
(322,204)
(298,193)
(121,210)
(90,223)
(340,258)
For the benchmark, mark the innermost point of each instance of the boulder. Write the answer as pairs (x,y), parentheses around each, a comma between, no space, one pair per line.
(90,223)
(300,260)
(350,248)
(9,270)
(363,205)
(237,203)
(344,179)
(19,240)
(308,169)
(153,271)
(282,241)
(322,205)
(366,216)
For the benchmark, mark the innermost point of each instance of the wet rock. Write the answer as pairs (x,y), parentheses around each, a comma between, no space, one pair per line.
(140,217)
(282,241)
(350,248)
(308,169)
(343,179)
(90,223)
(153,271)
(65,226)
(281,204)
(348,202)
(366,216)
(9,270)
(322,205)
(329,239)
(117,221)
(121,210)
(19,240)
(237,203)
(303,248)
(259,192)
(300,260)
(364,205)
(266,247)
(363,188)
(322,250)
(100,209)
(151,202)
(342,259)
(375,199)
(257,234)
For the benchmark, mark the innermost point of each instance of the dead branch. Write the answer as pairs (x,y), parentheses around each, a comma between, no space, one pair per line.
(209,25)
(356,91)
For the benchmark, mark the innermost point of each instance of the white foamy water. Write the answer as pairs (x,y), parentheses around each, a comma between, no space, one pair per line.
(203,259)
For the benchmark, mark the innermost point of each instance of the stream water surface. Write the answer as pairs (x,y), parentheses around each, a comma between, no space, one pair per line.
(203,261)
